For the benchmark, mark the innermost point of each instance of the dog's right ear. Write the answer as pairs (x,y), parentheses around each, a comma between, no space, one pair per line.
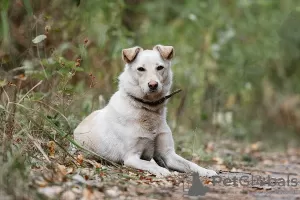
(128,55)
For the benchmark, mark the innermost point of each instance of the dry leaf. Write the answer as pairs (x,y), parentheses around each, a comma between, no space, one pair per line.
(221,167)
(113,192)
(207,182)
(219,160)
(94,163)
(70,170)
(41,183)
(210,147)
(97,165)
(39,38)
(79,179)
(79,159)
(68,195)
(51,192)
(62,169)
(51,146)
(20,77)
(256,146)
(87,194)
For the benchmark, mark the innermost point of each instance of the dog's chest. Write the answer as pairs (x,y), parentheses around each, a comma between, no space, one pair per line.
(149,126)
(147,148)
(149,122)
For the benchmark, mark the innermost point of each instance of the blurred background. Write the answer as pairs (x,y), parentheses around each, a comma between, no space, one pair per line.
(237,62)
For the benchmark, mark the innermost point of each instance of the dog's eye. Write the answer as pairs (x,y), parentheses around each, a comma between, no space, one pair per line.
(141,69)
(160,67)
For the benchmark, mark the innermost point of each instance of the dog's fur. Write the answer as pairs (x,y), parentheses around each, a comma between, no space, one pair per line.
(132,132)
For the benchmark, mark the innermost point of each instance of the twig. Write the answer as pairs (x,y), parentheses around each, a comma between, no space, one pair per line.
(9,128)
(39,83)
(8,99)
(39,147)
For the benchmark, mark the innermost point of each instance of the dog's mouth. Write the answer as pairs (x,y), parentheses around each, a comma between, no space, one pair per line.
(153,91)
(153,95)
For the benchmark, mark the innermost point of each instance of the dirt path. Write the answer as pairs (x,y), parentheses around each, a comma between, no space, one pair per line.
(258,175)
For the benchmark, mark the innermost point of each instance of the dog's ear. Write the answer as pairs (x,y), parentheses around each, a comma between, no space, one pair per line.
(128,55)
(167,52)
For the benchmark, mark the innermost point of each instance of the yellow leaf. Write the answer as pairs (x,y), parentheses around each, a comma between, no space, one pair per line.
(41,183)
(51,146)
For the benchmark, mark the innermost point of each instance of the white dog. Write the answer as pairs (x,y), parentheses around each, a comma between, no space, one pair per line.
(132,129)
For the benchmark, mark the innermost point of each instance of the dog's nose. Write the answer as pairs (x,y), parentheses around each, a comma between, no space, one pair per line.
(153,85)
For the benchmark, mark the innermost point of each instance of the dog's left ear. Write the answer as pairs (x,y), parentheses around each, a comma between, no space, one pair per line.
(167,52)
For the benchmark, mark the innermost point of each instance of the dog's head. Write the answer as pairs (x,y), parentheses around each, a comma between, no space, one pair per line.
(147,73)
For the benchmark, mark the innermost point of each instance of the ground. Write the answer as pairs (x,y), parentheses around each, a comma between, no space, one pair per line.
(88,179)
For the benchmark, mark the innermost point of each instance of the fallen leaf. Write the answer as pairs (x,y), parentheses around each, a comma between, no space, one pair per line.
(51,146)
(70,170)
(87,194)
(210,147)
(221,167)
(207,182)
(219,160)
(79,179)
(256,146)
(39,38)
(68,195)
(97,165)
(94,163)
(268,162)
(62,169)
(79,159)
(113,192)
(41,183)
(51,192)
(20,77)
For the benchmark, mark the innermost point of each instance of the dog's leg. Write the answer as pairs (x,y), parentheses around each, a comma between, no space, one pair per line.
(135,162)
(165,150)
(176,162)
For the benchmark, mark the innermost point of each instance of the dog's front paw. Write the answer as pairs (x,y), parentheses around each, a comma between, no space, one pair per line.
(162,172)
(211,173)
(207,172)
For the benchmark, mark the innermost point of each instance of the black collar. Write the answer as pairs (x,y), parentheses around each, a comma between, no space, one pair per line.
(157,102)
